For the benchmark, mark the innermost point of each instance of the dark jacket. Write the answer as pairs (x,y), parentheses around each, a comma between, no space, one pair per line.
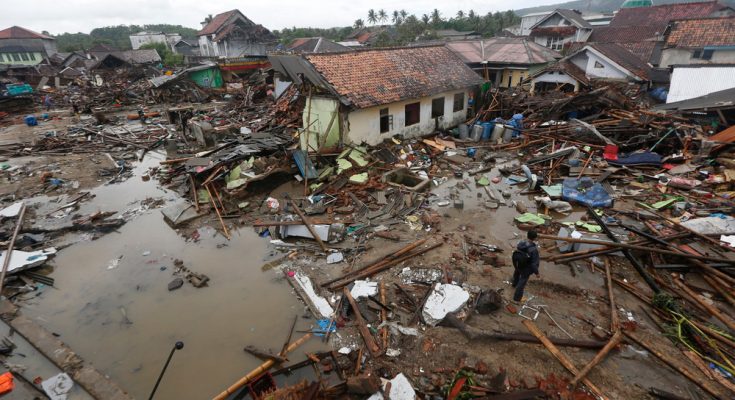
(530,248)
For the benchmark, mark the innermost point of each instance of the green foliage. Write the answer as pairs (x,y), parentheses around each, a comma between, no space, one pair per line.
(115,36)
(168,57)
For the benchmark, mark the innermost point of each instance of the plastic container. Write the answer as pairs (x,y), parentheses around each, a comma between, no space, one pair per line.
(476,133)
(487,130)
(464,132)
(30,120)
(507,133)
(497,133)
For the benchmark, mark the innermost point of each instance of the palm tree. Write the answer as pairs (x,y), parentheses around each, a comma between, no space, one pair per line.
(460,15)
(359,24)
(396,17)
(425,18)
(382,15)
(372,17)
(436,17)
(404,14)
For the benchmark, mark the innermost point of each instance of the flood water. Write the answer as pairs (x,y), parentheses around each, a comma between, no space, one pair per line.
(125,321)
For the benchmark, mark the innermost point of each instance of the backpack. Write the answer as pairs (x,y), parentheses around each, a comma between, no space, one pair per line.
(521,259)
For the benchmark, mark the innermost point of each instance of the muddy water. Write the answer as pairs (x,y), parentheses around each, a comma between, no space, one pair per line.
(125,321)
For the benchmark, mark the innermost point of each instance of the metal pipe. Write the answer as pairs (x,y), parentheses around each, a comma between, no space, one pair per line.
(177,346)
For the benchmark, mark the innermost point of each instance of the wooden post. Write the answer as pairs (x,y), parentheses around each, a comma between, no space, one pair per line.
(383,315)
(11,244)
(265,366)
(535,331)
(614,319)
(306,222)
(614,341)
(214,204)
(362,326)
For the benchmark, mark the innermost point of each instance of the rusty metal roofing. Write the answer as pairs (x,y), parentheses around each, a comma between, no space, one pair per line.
(367,78)
(659,16)
(16,32)
(702,32)
(502,51)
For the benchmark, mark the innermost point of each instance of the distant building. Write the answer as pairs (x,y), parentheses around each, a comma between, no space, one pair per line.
(367,96)
(369,35)
(186,47)
(20,46)
(560,28)
(699,41)
(142,38)
(505,62)
(125,58)
(232,34)
(451,34)
(659,17)
(529,20)
(315,45)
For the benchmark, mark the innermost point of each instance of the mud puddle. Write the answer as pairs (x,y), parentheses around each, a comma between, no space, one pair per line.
(120,316)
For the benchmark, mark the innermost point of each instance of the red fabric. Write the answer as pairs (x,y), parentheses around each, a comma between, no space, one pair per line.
(6,383)
(611,152)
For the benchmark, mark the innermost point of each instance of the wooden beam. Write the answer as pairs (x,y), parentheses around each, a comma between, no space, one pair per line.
(614,341)
(367,336)
(535,331)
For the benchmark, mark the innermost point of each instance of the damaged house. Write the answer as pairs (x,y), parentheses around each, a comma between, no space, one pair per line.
(366,96)
(561,28)
(232,34)
(20,46)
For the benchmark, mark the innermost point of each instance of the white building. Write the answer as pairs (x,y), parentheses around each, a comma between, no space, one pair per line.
(691,81)
(560,28)
(409,93)
(142,38)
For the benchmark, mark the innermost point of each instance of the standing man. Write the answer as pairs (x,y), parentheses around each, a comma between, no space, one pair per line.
(525,262)
(47,102)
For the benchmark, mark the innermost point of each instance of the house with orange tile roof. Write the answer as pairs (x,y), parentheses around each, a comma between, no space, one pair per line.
(231,34)
(699,41)
(367,96)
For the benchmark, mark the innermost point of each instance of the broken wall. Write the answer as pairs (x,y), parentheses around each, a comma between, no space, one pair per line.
(321,123)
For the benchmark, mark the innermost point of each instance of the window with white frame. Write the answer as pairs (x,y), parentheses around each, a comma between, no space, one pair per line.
(554,43)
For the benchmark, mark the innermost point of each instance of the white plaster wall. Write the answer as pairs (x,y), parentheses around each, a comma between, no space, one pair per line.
(688,83)
(364,124)
(675,56)
(586,61)
(555,77)
(528,21)
(136,41)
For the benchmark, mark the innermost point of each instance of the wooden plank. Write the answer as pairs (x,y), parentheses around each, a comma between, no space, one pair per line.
(535,331)
(367,336)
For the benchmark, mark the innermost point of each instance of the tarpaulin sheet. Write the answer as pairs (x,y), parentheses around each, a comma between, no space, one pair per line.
(638,158)
(585,191)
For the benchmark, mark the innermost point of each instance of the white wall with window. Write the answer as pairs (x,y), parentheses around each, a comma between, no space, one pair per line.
(409,118)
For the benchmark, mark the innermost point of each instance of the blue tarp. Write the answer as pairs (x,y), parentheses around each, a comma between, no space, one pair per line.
(637,158)
(585,191)
(304,163)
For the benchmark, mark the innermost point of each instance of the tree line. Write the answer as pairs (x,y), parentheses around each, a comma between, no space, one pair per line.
(115,36)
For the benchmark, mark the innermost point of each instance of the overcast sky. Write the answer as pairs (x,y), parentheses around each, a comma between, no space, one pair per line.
(59,16)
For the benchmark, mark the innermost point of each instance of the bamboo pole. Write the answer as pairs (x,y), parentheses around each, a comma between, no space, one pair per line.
(214,204)
(668,361)
(614,341)
(636,247)
(567,363)
(614,319)
(561,258)
(710,308)
(367,337)
(382,267)
(11,244)
(383,315)
(194,192)
(265,366)
(378,261)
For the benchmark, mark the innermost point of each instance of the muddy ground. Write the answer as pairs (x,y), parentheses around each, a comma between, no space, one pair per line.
(121,317)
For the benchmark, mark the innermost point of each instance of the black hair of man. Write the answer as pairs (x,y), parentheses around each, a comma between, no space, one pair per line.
(532,235)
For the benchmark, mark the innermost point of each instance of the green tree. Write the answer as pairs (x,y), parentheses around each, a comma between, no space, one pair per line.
(436,18)
(372,17)
(168,57)
(396,17)
(359,24)
(382,15)
(460,15)
(425,19)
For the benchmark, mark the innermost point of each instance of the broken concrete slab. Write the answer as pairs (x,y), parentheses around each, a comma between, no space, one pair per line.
(179,214)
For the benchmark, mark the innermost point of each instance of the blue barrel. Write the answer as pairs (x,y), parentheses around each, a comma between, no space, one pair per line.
(30,120)
(487,130)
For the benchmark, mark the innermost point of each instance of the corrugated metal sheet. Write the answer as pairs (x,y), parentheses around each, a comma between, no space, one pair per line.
(690,82)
